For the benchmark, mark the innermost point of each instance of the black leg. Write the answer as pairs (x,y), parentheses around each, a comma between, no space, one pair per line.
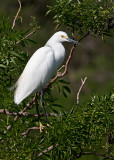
(42,93)
(37,109)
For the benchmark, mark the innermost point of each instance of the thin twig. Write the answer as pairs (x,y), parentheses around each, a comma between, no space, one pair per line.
(6,111)
(17,14)
(29,34)
(24,109)
(63,66)
(46,150)
(29,129)
(78,94)
(14,21)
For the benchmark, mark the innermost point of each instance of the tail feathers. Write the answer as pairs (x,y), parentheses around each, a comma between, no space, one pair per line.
(19,97)
(17,101)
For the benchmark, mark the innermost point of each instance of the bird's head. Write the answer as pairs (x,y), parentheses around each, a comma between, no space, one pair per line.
(61,37)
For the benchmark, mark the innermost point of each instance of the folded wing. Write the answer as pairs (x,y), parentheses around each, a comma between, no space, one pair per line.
(37,73)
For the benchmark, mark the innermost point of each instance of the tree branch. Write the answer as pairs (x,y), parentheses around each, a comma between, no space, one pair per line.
(14,21)
(29,129)
(6,111)
(16,14)
(78,94)
(28,35)
(46,150)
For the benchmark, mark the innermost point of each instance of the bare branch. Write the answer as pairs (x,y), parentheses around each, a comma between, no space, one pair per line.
(63,66)
(17,14)
(6,111)
(28,35)
(78,94)
(97,154)
(29,129)
(24,109)
(14,21)
(46,150)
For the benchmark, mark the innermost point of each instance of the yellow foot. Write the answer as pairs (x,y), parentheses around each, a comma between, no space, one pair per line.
(48,125)
(41,127)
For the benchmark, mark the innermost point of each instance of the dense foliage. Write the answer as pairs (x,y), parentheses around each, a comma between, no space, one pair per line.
(84,16)
(73,134)
(82,131)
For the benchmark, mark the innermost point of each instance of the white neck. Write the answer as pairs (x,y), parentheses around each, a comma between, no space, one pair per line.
(59,51)
(59,54)
(51,42)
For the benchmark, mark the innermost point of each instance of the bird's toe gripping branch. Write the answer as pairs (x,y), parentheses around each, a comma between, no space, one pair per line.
(41,127)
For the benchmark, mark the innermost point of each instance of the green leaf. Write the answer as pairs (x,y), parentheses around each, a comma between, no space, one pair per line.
(32,41)
(63,81)
(48,12)
(16,54)
(67,89)
(13,61)
(3,66)
(65,95)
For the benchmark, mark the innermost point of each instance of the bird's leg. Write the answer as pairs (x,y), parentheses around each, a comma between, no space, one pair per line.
(42,101)
(38,113)
(37,109)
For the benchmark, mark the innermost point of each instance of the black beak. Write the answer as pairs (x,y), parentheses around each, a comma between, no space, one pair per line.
(71,40)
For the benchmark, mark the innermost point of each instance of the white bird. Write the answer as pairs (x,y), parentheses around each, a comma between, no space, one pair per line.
(41,67)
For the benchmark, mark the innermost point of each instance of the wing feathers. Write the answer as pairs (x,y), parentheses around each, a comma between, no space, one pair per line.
(36,74)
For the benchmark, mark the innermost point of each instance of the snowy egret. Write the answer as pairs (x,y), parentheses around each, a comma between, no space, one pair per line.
(41,67)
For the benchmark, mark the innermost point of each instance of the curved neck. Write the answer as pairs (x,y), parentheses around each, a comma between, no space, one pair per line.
(52,42)
(59,51)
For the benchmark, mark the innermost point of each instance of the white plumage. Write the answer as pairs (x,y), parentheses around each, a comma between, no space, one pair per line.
(41,67)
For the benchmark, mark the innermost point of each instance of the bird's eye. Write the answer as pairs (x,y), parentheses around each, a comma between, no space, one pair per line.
(62,36)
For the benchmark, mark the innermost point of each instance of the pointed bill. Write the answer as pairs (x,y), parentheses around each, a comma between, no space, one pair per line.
(71,40)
